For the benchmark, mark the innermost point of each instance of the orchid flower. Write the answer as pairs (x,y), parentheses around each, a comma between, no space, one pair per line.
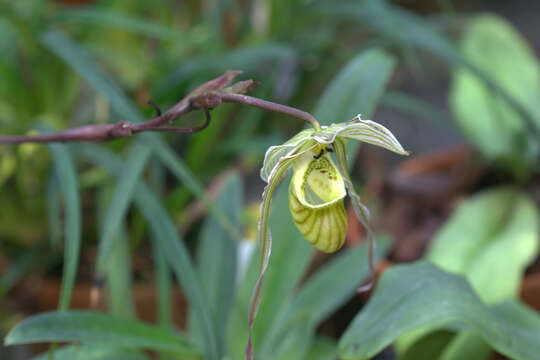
(317,190)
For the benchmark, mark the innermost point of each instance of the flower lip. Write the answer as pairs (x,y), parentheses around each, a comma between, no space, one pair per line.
(316,181)
(316,204)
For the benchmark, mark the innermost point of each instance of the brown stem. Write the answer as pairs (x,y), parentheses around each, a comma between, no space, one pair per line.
(177,129)
(207,96)
(106,132)
(270,106)
(99,132)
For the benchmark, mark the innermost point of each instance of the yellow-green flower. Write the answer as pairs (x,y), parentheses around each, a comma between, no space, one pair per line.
(318,187)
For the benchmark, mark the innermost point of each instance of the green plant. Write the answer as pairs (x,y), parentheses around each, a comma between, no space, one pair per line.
(142,186)
(493,45)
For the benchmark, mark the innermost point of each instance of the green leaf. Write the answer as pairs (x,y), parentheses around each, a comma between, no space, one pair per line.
(81,62)
(514,312)
(323,348)
(295,342)
(493,235)
(88,326)
(466,345)
(214,16)
(496,128)
(92,352)
(334,283)
(118,20)
(282,17)
(119,275)
(469,345)
(498,226)
(164,232)
(163,285)
(136,162)
(27,262)
(356,89)
(118,270)
(179,169)
(246,58)
(139,155)
(322,294)
(119,280)
(53,211)
(428,347)
(405,28)
(162,272)
(417,107)
(422,296)
(121,199)
(67,179)
(291,256)
(217,252)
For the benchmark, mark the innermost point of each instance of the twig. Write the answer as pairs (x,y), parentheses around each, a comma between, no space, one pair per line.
(158,110)
(270,106)
(205,97)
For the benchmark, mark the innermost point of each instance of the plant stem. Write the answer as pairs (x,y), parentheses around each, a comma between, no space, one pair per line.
(207,96)
(270,106)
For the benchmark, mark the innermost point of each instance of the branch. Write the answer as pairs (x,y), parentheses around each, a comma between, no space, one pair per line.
(207,96)
(270,106)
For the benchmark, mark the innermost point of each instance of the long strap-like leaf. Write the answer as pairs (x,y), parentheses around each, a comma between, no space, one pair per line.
(170,243)
(65,173)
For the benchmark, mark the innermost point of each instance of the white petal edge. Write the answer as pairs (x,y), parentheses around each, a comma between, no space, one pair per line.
(363,130)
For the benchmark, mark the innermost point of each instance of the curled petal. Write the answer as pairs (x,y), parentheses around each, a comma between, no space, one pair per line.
(316,195)
(275,153)
(324,227)
(363,130)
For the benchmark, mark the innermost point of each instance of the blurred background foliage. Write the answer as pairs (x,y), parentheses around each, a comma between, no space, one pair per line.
(457,82)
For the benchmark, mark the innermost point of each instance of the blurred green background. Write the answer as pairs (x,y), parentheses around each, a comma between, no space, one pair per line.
(457,82)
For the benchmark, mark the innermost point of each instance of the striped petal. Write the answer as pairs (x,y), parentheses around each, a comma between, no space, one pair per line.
(316,195)
(363,130)
(275,153)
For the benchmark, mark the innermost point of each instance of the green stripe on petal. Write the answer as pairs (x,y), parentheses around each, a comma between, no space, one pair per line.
(364,130)
(324,227)
(316,195)
(316,180)
(275,153)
